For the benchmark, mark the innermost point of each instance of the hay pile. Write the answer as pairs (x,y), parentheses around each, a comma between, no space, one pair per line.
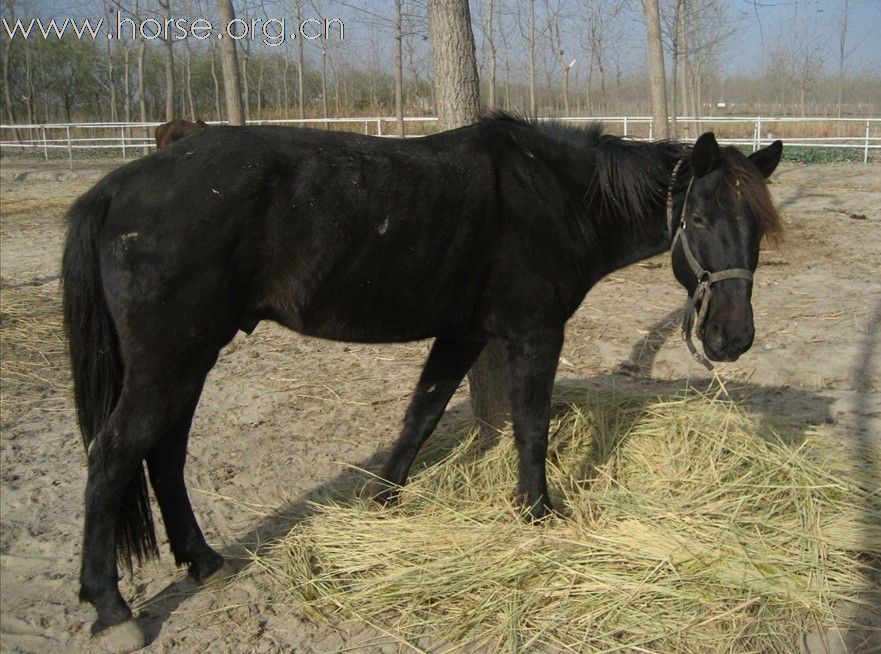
(32,349)
(690,526)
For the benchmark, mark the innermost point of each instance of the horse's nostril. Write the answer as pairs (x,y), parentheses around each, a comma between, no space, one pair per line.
(713,334)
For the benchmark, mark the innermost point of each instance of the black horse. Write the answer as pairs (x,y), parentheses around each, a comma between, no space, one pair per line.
(496,230)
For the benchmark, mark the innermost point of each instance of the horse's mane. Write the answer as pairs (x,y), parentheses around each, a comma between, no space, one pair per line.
(632,177)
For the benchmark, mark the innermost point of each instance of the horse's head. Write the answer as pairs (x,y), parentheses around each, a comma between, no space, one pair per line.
(725,213)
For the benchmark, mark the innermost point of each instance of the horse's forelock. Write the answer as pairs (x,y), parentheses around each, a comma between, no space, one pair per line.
(753,189)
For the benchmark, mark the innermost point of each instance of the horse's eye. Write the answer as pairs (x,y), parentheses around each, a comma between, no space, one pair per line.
(698,220)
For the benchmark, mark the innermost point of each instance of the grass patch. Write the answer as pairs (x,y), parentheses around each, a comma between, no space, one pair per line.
(821,155)
(690,526)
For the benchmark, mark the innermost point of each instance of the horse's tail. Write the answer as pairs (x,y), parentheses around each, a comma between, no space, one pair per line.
(96,364)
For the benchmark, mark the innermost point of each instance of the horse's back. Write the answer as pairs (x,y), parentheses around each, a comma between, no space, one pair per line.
(334,235)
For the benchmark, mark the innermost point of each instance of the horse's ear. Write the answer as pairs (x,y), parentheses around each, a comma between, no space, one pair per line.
(705,155)
(766,159)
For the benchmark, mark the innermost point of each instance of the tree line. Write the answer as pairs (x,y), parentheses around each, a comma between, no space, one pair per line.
(539,57)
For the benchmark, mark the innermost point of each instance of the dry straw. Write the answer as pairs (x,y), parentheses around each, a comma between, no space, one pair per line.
(688,525)
(32,349)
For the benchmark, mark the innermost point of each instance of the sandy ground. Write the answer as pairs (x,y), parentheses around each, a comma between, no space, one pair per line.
(283,416)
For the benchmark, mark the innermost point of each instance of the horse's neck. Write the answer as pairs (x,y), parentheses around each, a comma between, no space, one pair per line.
(622,248)
(627,239)
(637,248)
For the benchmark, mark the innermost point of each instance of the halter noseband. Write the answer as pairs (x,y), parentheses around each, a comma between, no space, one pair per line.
(705,279)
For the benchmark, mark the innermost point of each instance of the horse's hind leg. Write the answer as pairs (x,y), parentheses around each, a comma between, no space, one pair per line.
(447,364)
(149,404)
(165,463)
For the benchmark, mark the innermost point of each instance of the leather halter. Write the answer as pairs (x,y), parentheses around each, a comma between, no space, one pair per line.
(700,299)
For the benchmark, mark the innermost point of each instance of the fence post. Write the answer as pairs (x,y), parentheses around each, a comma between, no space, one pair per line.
(866,150)
(45,146)
(69,147)
(625,125)
(366,128)
(651,131)
(122,135)
(379,126)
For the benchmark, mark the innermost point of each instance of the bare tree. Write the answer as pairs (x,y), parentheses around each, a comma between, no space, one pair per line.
(598,32)
(111,82)
(244,65)
(7,79)
(399,70)
(188,78)
(491,47)
(554,16)
(169,62)
(532,106)
(231,84)
(843,51)
(455,66)
(656,69)
(457,92)
(217,113)
(142,89)
(301,101)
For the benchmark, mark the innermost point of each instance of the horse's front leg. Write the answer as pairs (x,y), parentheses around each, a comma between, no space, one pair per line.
(533,364)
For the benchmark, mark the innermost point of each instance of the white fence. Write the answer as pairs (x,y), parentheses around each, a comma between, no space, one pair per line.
(135,139)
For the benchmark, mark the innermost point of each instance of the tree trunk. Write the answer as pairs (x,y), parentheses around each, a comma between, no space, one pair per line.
(142,99)
(842,55)
(217,114)
(674,70)
(189,80)
(399,71)
(324,84)
(457,94)
(7,93)
(29,83)
(656,68)
(231,84)
(491,45)
(126,85)
(532,108)
(169,63)
(45,82)
(455,67)
(260,73)
(287,103)
(246,89)
(681,79)
(300,62)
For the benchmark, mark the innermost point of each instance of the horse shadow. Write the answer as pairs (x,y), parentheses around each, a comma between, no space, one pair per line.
(633,374)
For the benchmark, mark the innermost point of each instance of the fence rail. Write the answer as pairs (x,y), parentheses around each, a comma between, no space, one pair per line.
(136,138)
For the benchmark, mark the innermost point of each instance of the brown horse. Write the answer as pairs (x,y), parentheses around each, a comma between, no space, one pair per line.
(176,129)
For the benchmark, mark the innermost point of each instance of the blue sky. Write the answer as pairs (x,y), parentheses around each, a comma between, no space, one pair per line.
(762,23)
(767,19)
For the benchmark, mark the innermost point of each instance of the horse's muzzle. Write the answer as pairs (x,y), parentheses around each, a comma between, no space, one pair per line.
(726,341)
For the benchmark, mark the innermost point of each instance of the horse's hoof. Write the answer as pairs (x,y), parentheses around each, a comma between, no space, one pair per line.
(223,573)
(539,511)
(123,637)
(383,492)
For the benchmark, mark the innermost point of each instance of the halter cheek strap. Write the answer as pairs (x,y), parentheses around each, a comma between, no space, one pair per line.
(703,293)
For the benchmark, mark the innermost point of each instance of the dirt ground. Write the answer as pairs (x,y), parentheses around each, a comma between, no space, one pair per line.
(284,416)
